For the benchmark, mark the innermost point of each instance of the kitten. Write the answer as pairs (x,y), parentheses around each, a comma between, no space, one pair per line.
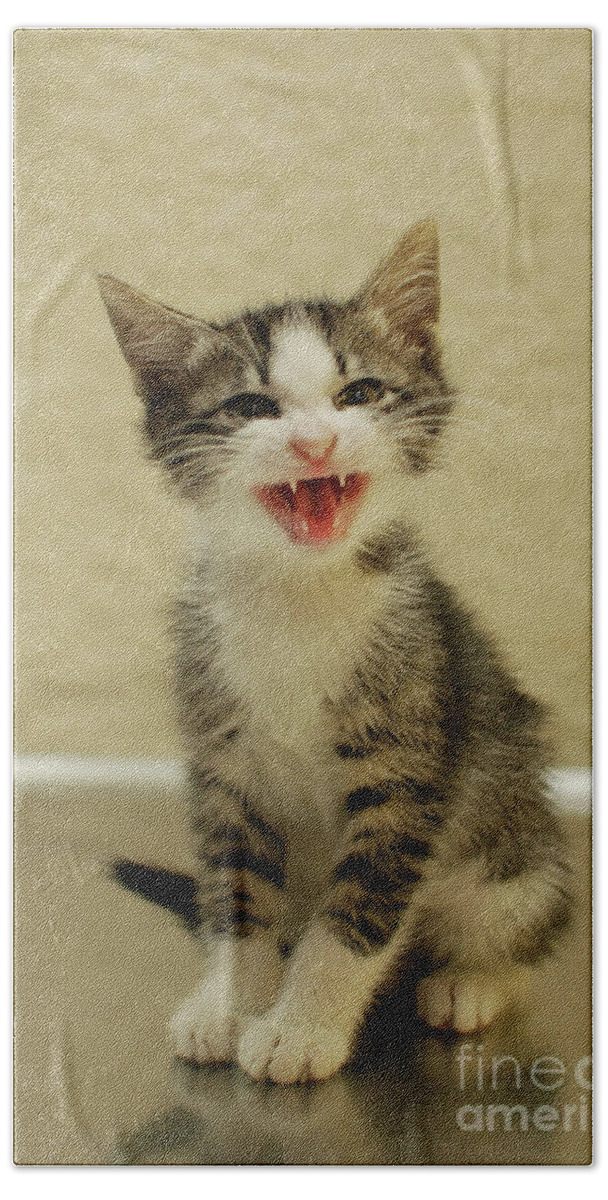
(366,780)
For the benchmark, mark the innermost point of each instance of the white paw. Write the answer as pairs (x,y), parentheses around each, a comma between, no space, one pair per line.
(205,1027)
(286,1049)
(464,1003)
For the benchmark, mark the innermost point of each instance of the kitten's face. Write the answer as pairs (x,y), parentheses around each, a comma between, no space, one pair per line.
(293,426)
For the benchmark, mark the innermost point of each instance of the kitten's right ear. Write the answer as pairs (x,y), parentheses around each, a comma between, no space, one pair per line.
(402,297)
(157,342)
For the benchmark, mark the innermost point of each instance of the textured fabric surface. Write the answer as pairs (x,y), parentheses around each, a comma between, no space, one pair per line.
(215,169)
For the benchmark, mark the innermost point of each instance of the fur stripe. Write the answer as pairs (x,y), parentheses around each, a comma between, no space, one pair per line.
(229,833)
(231,910)
(361,934)
(273,839)
(360,868)
(241,858)
(422,793)
(257,336)
(363,835)
(344,750)
(432,818)
(365,797)
(414,847)
(236,921)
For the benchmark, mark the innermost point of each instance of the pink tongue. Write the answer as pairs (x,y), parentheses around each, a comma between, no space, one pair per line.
(316,502)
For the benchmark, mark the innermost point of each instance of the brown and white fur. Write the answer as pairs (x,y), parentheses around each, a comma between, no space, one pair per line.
(366,779)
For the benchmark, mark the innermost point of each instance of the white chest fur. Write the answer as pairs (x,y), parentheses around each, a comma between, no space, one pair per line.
(288,649)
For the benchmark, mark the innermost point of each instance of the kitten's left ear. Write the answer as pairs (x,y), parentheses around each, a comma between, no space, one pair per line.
(156,341)
(402,296)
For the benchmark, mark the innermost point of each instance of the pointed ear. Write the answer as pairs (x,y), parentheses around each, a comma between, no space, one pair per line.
(156,341)
(402,297)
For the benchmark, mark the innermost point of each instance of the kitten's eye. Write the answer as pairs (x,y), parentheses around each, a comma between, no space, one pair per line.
(252,404)
(360,391)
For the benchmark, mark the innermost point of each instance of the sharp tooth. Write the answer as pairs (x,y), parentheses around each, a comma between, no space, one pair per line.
(305,526)
(293,485)
(342,480)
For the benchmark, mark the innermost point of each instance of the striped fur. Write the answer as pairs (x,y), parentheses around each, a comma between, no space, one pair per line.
(242,860)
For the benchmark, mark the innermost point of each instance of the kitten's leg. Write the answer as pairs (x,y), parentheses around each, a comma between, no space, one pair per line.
(241,900)
(351,947)
(488,933)
(242,979)
(309,1033)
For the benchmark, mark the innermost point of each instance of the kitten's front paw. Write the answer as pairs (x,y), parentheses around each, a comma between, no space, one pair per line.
(205,1028)
(286,1048)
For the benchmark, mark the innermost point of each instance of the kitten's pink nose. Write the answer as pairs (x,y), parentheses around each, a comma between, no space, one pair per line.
(314,451)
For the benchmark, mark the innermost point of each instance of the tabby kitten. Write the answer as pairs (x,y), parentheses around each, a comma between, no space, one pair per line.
(366,780)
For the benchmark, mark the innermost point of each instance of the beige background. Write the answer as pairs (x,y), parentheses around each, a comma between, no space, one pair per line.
(214,169)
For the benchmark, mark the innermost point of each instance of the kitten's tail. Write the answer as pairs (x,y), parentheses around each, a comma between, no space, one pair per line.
(170,890)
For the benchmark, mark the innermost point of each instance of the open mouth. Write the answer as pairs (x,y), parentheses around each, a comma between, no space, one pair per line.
(314,512)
